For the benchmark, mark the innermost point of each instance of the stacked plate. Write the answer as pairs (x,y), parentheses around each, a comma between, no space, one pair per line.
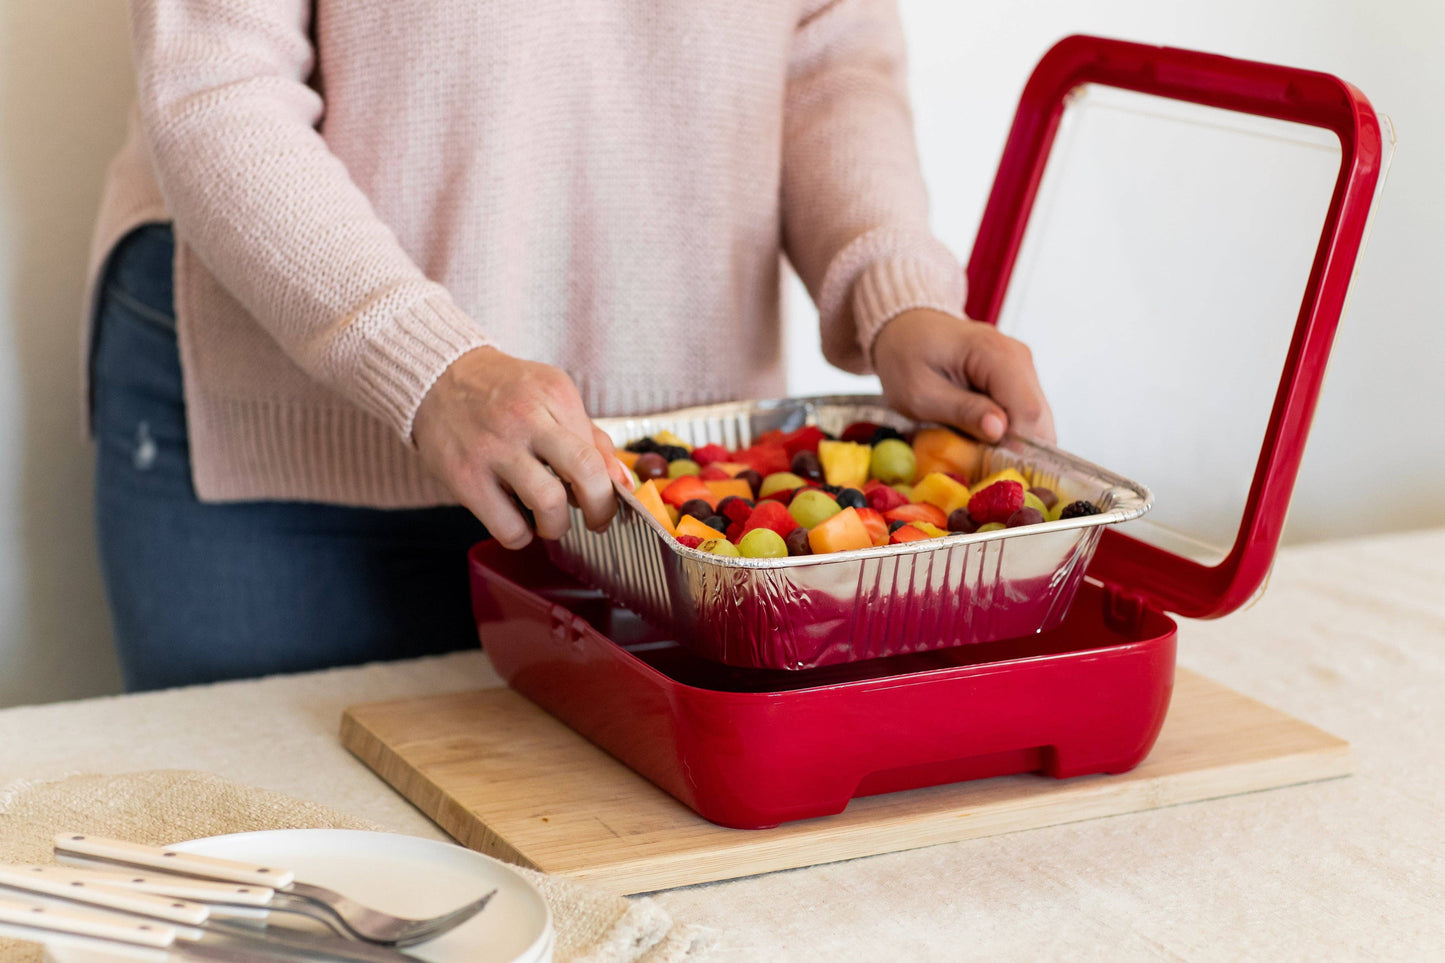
(397,874)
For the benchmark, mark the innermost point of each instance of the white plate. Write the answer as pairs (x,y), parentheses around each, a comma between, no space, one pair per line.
(406,876)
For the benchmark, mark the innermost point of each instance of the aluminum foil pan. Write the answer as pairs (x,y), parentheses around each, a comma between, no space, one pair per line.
(815,610)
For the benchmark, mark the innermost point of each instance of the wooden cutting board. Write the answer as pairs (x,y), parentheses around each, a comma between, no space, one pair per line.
(507,779)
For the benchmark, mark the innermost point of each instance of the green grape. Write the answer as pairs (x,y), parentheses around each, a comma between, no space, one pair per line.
(812,507)
(893,462)
(763,543)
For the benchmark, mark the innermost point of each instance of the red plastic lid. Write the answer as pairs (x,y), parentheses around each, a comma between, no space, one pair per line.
(1197,228)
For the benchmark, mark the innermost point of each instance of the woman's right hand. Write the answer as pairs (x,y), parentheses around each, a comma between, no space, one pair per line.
(493,425)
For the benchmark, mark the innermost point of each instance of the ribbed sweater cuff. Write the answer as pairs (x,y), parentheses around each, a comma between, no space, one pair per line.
(405,358)
(880,275)
(891,286)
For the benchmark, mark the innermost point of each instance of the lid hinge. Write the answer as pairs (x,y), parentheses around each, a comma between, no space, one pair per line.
(1123,610)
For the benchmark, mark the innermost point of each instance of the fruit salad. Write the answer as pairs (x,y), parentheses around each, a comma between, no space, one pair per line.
(806,492)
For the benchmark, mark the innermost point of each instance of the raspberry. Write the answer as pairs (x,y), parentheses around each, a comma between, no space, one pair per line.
(997,502)
(689,541)
(1079,509)
(705,455)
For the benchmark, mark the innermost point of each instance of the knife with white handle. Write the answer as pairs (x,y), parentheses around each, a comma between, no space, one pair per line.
(161,884)
(78,922)
(344,914)
(173,861)
(210,940)
(69,884)
(107,891)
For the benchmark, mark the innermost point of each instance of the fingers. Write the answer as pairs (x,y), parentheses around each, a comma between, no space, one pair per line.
(496,510)
(541,491)
(615,467)
(1004,369)
(584,468)
(938,398)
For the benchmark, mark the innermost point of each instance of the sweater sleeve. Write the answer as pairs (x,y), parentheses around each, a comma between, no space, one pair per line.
(253,189)
(854,210)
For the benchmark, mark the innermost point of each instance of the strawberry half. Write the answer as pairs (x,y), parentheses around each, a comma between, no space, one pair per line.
(873,521)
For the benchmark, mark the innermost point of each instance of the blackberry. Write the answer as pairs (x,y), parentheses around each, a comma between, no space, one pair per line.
(643,445)
(852,498)
(834,490)
(884,433)
(671,452)
(1079,509)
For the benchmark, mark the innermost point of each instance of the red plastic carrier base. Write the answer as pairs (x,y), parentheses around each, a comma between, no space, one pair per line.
(752,748)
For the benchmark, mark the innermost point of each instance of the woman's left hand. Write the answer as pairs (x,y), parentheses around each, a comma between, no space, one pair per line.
(936,367)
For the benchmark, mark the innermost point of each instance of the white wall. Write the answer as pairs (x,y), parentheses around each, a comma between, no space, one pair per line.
(1377,452)
(64,86)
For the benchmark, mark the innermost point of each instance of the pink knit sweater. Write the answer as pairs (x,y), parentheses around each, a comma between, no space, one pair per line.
(363,191)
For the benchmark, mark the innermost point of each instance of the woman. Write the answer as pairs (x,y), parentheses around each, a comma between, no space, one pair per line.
(398,253)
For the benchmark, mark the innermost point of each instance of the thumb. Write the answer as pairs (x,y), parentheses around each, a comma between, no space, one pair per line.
(977,414)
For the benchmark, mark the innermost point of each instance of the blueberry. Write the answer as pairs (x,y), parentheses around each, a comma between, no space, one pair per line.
(698,509)
(851,498)
(718,522)
(895,525)
(884,433)
(672,452)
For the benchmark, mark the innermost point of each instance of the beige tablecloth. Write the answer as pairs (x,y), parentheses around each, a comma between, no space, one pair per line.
(1351,637)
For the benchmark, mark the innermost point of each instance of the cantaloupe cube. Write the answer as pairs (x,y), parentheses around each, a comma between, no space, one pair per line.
(651,500)
(628,458)
(944,450)
(688,525)
(843,532)
(732,486)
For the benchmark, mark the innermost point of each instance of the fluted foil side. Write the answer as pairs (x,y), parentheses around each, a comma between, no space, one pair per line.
(801,613)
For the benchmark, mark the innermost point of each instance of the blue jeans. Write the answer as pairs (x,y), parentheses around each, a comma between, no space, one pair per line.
(203,592)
